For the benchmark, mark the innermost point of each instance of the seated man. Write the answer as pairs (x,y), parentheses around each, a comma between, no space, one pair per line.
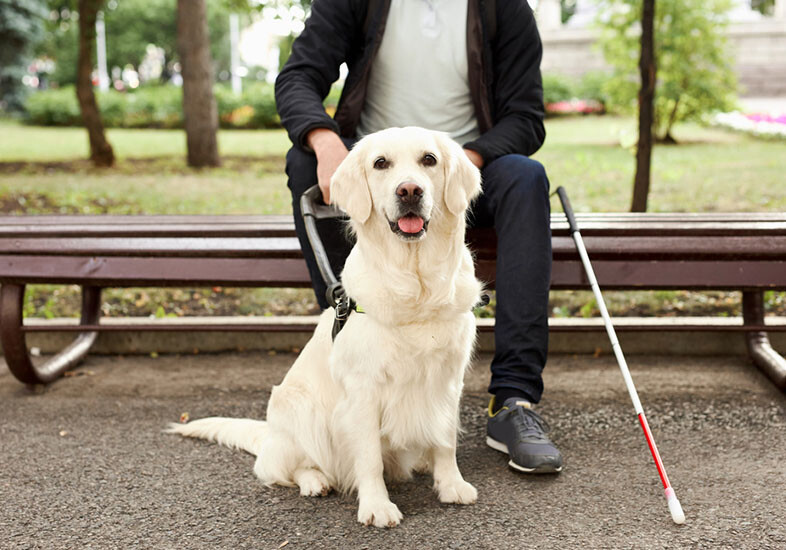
(470,68)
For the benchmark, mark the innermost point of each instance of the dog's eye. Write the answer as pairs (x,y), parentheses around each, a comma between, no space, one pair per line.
(381,163)
(428,160)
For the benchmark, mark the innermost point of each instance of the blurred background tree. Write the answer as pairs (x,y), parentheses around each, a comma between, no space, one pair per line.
(21,26)
(101,152)
(646,100)
(200,113)
(695,70)
(131,27)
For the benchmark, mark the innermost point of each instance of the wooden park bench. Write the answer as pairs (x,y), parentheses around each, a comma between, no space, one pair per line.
(744,252)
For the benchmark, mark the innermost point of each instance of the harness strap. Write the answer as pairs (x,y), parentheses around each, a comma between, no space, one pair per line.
(344,306)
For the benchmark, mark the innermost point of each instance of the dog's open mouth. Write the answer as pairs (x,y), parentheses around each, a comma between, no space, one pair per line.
(410,226)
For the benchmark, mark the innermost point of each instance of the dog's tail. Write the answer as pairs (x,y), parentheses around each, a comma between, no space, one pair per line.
(236,433)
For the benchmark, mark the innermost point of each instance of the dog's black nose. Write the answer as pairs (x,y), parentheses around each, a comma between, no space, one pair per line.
(409,192)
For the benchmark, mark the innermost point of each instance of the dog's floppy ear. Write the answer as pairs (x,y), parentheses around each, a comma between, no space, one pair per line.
(349,187)
(462,178)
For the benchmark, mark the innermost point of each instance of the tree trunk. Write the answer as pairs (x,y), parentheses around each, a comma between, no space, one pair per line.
(667,138)
(200,114)
(100,150)
(641,183)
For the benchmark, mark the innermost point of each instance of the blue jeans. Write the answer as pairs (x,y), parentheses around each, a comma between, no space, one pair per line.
(515,201)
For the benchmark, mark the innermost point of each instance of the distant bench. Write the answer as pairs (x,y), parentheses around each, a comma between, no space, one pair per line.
(732,251)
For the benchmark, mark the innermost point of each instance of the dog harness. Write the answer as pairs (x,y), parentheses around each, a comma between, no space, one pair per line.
(344,306)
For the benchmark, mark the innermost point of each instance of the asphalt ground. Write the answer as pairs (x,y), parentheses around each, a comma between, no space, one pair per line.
(85,465)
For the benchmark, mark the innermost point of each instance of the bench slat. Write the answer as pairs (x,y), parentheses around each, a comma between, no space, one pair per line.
(729,250)
(639,247)
(662,275)
(155,272)
(165,246)
(283,272)
(631,248)
(143,219)
(281,225)
(239,219)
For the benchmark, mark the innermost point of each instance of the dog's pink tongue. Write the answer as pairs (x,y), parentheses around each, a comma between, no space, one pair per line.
(410,224)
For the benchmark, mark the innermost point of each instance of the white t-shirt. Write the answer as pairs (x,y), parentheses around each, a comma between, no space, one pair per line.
(419,76)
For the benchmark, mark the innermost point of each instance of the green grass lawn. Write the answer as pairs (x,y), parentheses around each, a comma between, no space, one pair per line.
(712,170)
(37,143)
(46,168)
(43,170)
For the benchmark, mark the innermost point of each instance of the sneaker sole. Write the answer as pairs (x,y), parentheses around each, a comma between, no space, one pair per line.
(501,447)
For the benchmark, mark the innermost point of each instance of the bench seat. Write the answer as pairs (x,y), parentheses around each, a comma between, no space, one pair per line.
(730,251)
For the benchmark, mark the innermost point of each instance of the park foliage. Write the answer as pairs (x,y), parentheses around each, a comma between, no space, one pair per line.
(695,74)
(21,27)
(159,107)
(131,26)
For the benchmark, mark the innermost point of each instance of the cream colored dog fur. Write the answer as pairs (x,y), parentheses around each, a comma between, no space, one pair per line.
(384,397)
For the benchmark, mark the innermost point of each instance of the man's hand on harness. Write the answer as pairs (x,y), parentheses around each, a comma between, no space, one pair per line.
(330,151)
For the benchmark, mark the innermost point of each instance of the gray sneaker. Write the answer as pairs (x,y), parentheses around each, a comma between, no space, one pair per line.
(518,431)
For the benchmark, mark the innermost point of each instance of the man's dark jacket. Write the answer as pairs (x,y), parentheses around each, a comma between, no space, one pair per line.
(503,51)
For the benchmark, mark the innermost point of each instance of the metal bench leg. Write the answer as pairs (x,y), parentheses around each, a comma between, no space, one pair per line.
(759,348)
(13,337)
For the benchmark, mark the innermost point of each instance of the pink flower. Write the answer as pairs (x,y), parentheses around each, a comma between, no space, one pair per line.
(765,117)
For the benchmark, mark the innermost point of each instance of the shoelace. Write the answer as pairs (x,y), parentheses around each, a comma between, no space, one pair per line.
(531,423)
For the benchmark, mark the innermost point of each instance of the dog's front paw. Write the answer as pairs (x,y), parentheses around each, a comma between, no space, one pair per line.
(457,492)
(312,483)
(381,513)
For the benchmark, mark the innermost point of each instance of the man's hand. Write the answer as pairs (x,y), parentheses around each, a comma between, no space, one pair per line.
(474,157)
(330,151)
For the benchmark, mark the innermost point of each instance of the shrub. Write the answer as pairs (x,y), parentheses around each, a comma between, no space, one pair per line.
(262,99)
(53,108)
(154,107)
(254,108)
(113,108)
(151,107)
(591,87)
(557,88)
(564,96)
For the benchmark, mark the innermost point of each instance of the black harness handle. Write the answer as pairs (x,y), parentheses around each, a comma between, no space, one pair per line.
(313,209)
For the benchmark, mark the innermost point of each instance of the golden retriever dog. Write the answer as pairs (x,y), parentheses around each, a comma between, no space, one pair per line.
(382,400)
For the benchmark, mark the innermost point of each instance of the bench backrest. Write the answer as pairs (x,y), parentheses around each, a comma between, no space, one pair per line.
(628,251)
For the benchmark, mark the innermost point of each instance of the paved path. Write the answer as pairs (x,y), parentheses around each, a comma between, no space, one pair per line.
(84,464)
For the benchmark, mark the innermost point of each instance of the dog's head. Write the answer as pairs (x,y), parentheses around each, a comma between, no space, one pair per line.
(402,177)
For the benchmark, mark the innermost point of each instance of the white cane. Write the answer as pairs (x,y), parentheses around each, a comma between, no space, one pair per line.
(671,498)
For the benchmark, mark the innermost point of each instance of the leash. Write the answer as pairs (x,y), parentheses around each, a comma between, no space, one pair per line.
(314,209)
